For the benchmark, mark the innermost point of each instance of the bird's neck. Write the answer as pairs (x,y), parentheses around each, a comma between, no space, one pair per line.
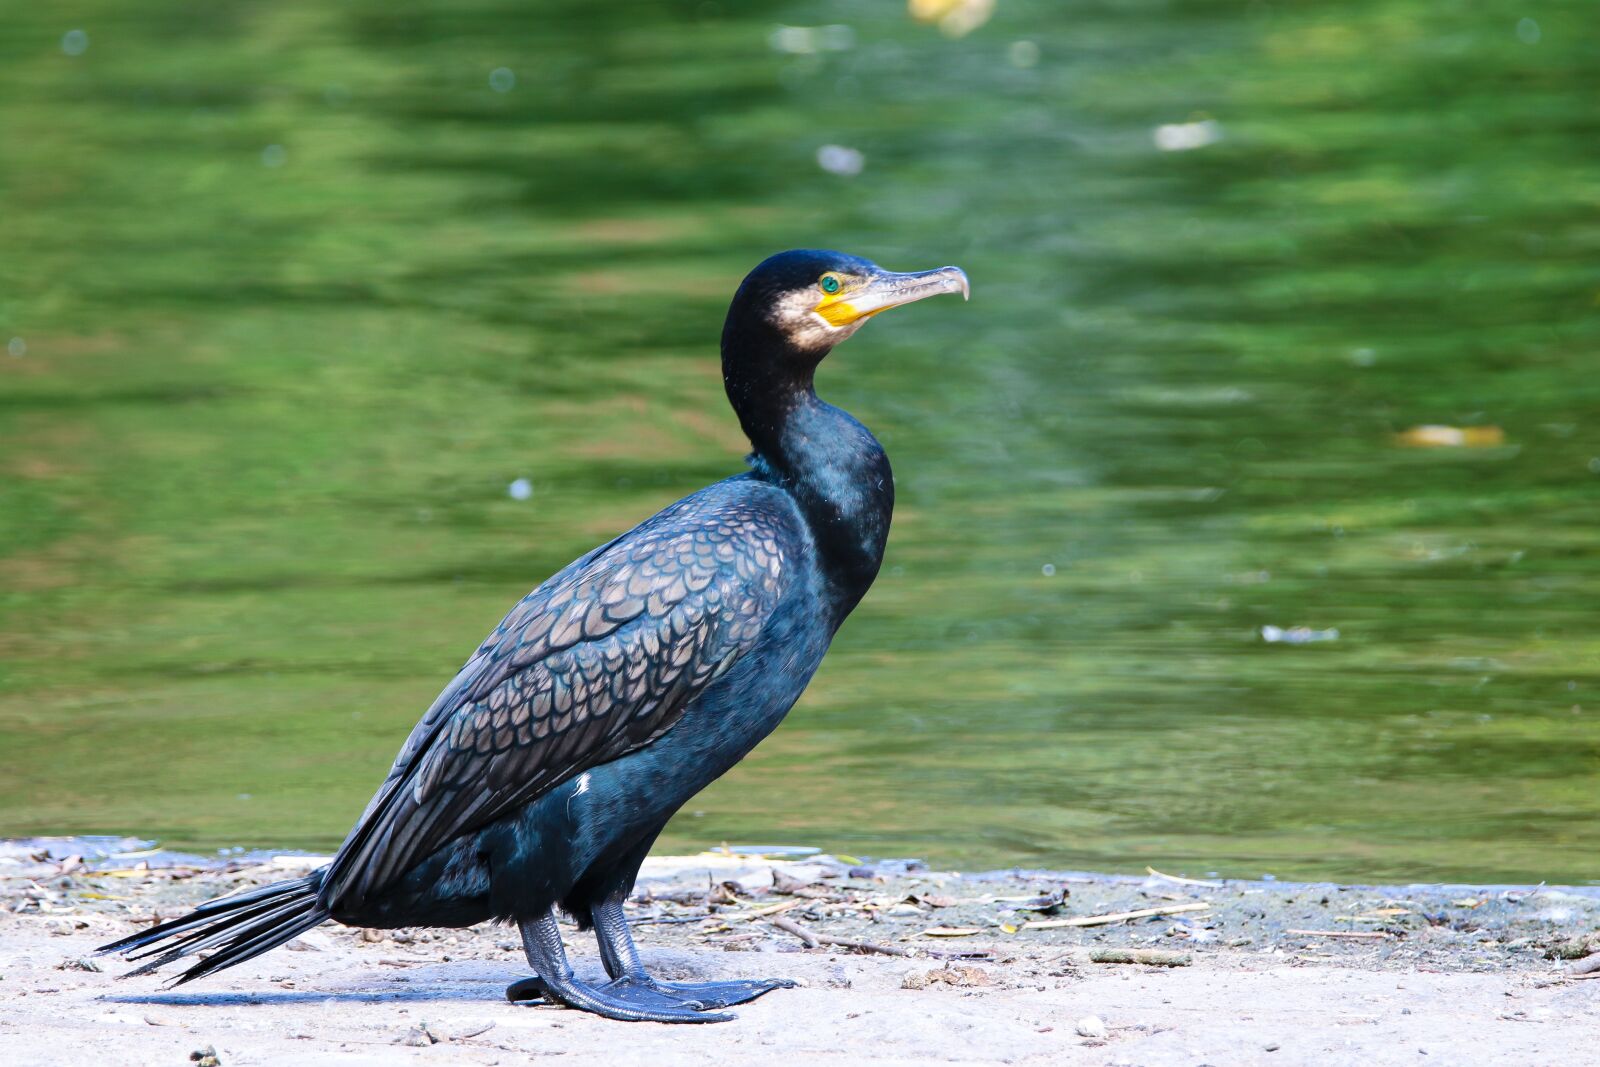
(839,475)
(831,464)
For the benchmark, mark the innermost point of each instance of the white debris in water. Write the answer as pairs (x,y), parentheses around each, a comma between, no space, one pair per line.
(1023,54)
(808,40)
(76,42)
(502,79)
(1184,136)
(521,489)
(837,159)
(1048,570)
(1296,635)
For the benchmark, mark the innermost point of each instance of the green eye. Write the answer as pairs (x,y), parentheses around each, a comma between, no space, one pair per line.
(830,284)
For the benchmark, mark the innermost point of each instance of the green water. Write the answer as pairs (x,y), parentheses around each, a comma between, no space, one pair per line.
(296,294)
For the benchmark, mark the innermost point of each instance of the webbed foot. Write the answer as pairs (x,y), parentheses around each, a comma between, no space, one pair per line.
(621,959)
(719,994)
(700,996)
(623,1000)
(626,999)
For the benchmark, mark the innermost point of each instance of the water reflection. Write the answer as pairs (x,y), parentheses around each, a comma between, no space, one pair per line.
(263,424)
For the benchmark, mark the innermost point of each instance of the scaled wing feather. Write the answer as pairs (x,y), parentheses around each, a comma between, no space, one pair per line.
(598,661)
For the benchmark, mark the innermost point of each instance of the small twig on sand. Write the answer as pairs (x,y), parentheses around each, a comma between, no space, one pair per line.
(812,939)
(1151,956)
(726,917)
(1588,966)
(1113,917)
(1367,935)
(769,909)
(808,937)
(1182,881)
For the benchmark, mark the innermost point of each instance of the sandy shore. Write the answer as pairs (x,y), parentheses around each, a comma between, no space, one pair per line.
(986,969)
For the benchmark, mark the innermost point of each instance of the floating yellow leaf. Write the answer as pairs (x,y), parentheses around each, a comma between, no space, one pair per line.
(1451,437)
(955,18)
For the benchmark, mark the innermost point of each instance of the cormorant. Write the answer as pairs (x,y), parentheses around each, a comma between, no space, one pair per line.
(620,687)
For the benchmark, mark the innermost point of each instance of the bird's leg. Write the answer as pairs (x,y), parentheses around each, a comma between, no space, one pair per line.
(621,959)
(541,939)
(617,951)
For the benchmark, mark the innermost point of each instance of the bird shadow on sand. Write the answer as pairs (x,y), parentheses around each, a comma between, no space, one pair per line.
(451,982)
(233,999)
(461,983)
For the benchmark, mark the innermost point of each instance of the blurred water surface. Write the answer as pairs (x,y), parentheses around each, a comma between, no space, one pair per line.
(327,330)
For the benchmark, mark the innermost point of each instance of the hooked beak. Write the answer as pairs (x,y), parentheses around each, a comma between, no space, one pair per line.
(887,289)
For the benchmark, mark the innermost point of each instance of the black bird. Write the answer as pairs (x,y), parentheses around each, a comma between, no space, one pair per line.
(620,687)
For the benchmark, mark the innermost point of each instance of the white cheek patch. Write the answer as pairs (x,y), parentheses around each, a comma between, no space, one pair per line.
(795,314)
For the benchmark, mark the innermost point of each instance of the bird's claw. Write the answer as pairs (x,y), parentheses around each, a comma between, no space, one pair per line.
(527,991)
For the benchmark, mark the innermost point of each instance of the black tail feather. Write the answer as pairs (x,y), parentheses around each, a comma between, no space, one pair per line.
(199,929)
(238,928)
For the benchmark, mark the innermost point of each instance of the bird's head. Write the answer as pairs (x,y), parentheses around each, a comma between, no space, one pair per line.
(811,300)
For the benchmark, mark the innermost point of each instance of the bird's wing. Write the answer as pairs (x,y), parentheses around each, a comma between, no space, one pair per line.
(598,661)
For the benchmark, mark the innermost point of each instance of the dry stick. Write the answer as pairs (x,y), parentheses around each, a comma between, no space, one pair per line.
(807,936)
(1153,957)
(739,917)
(1113,917)
(812,939)
(1369,935)
(673,896)
(769,909)
(1183,881)
(1586,966)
